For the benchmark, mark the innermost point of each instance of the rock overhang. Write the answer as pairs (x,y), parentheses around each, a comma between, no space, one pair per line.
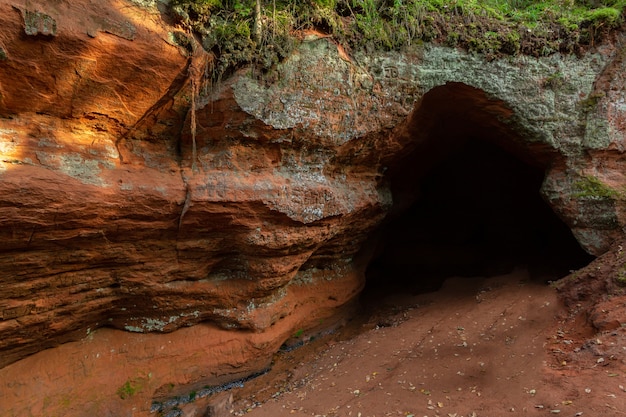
(264,232)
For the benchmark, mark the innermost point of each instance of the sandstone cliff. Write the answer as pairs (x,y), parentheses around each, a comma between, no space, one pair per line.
(148,251)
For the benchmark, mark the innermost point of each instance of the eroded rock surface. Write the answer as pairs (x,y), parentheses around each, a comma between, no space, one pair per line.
(126,218)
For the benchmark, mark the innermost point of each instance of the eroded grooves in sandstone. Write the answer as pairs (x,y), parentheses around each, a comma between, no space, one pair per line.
(127,259)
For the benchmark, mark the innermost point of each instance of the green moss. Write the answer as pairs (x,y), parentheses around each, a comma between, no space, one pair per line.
(65,401)
(453,38)
(592,188)
(194,13)
(590,103)
(604,16)
(231,38)
(130,388)
(620,278)
(488,43)
(511,43)
(554,81)
(493,27)
(567,24)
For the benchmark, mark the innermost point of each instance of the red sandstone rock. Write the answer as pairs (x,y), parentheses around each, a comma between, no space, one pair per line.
(102,227)
(217,245)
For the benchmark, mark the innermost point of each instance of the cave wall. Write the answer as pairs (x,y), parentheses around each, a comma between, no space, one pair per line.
(144,244)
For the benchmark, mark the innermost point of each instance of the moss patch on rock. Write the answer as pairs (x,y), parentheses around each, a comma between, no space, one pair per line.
(592,188)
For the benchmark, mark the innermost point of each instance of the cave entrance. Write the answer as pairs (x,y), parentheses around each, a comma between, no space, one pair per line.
(467,201)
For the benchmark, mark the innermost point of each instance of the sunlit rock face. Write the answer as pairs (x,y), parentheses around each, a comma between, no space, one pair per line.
(150,247)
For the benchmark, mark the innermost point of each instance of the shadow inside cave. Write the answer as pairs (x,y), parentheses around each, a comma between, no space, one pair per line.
(467,203)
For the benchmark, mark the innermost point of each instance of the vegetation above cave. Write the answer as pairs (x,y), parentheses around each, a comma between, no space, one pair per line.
(263,32)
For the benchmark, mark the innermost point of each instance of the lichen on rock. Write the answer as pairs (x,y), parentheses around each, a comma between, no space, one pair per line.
(38,23)
(132,233)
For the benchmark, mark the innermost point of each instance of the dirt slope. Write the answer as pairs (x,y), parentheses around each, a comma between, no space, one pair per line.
(478,347)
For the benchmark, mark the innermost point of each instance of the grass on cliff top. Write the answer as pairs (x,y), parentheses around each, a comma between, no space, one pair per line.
(238,34)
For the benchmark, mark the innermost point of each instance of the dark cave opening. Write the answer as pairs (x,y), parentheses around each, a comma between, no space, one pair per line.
(474,206)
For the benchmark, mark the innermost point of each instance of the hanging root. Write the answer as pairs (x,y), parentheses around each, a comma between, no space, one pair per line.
(194,75)
(200,75)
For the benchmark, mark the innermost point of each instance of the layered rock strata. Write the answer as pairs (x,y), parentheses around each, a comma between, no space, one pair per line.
(158,250)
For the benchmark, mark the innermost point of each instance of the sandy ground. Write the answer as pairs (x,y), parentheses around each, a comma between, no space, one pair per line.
(494,346)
